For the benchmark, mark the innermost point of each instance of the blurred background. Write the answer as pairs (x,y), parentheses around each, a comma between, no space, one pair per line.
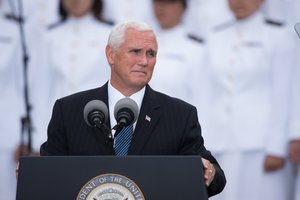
(237,61)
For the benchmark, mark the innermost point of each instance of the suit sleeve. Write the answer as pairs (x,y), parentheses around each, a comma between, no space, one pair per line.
(56,143)
(193,144)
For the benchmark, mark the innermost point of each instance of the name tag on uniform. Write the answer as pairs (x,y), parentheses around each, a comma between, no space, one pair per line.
(253,44)
(172,56)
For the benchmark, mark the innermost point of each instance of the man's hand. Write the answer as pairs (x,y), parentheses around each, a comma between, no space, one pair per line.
(273,163)
(294,151)
(17,170)
(209,171)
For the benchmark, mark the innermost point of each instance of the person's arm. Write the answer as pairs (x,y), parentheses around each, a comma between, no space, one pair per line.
(294,151)
(193,143)
(56,143)
(294,121)
(282,63)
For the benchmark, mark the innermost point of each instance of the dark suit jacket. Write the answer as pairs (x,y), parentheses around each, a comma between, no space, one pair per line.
(171,128)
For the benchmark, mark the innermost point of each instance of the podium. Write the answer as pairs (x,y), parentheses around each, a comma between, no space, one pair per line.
(109,177)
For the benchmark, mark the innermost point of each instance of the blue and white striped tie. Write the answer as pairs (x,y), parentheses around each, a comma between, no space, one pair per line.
(123,141)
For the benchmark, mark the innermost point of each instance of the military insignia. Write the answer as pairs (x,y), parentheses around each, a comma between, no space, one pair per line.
(274,22)
(110,187)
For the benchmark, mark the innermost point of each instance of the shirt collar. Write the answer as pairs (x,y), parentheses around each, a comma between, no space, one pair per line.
(114,96)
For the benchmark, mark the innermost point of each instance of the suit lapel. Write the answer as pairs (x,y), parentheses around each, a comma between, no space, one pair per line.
(102,94)
(148,117)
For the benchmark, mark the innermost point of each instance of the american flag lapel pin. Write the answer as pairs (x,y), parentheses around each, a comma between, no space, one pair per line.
(147,118)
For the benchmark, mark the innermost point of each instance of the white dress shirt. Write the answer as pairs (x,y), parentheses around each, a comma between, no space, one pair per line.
(114,96)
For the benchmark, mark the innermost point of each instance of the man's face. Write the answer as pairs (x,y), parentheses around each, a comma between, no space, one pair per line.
(168,13)
(244,8)
(133,62)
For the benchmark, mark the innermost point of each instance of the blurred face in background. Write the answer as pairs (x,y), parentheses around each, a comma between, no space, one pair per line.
(77,8)
(244,8)
(168,12)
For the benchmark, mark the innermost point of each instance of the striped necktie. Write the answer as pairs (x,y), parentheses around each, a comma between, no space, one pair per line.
(123,140)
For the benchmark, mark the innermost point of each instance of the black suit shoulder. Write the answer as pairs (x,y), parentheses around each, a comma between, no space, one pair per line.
(80,95)
(170,101)
(74,104)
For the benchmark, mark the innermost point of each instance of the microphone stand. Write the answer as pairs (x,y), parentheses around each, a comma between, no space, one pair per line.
(26,125)
(102,127)
(118,128)
(106,130)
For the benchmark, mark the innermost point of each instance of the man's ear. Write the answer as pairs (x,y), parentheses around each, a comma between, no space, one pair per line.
(109,54)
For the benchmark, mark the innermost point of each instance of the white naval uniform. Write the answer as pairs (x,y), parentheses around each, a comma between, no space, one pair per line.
(11,105)
(202,16)
(37,14)
(72,59)
(118,11)
(178,61)
(285,11)
(248,90)
(288,11)
(294,132)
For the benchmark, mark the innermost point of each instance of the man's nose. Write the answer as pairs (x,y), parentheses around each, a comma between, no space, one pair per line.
(143,60)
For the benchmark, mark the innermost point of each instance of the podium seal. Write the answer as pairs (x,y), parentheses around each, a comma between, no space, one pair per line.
(110,187)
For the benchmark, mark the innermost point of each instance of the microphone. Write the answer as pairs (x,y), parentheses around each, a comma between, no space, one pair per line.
(126,113)
(95,113)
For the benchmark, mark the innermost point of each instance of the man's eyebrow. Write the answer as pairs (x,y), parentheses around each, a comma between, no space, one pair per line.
(151,50)
(134,48)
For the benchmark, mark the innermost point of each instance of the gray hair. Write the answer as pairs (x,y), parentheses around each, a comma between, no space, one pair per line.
(116,36)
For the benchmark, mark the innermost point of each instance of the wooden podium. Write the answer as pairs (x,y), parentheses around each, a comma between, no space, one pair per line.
(147,177)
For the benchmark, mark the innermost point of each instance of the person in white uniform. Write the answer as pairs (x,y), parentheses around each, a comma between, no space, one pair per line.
(288,12)
(284,11)
(248,88)
(180,55)
(202,16)
(71,59)
(119,11)
(11,104)
(36,15)
(294,136)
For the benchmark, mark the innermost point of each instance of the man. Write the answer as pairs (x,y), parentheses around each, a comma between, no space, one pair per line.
(165,126)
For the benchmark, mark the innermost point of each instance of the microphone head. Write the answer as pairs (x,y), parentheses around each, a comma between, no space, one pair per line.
(126,111)
(95,112)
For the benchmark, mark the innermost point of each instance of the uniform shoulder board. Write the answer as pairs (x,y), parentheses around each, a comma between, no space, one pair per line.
(108,22)
(224,25)
(14,18)
(274,22)
(195,38)
(55,24)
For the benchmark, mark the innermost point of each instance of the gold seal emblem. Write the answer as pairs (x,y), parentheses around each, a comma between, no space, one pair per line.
(110,187)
